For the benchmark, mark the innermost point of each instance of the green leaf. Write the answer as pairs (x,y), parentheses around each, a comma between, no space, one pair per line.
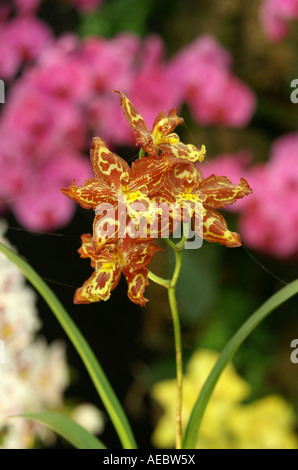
(116,16)
(102,385)
(67,428)
(194,423)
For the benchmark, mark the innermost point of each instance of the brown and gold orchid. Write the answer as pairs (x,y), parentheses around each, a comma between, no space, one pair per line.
(127,200)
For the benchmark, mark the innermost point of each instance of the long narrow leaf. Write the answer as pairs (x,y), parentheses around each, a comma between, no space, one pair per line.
(67,428)
(102,385)
(194,423)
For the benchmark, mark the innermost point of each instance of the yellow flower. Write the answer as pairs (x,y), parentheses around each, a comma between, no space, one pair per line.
(267,423)
(227,423)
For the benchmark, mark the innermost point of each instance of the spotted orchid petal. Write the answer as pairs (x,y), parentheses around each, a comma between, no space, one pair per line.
(186,152)
(149,174)
(220,191)
(138,255)
(215,229)
(130,256)
(106,275)
(107,166)
(184,175)
(91,194)
(161,138)
(135,120)
(164,125)
(136,282)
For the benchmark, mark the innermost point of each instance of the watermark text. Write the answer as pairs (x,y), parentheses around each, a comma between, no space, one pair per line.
(150,220)
(294,94)
(2,91)
(294,353)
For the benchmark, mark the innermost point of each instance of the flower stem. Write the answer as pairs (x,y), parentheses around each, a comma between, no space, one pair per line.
(171,286)
(159,280)
(179,366)
(177,337)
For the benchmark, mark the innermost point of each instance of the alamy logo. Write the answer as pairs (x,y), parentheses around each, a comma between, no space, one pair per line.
(294,94)
(150,220)
(2,352)
(2,91)
(294,354)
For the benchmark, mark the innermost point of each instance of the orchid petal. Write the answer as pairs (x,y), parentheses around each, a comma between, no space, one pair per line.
(106,275)
(164,125)
(220,191)
(99,286)
(215,229)
(136,282)
(92,193)
(135,120)
(138,254)
(186,152)
(149,174)
(107,166)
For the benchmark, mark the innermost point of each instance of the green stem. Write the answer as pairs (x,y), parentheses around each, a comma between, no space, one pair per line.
(159,280)
(179,365)
(171,286)
(170,243)
(177,337)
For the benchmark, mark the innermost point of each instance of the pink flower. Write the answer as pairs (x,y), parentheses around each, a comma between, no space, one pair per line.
(223,100)
(110,62)
(42,206)
(270,222)
(139,70)
(64,78)
(268,219)
(30,36)
(9,56)
(275,16)
(202,72)
(153,70)
(26,7)
(65,46)
(193,63)
(14,169)
(284,150)
(41,123)
(272,212)
(106,120)
(21,39)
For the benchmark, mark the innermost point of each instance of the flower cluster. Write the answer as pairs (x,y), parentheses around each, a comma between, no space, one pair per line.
(268,219)
(34,374)
(62,96)
(275,16)
(22,37)
(227,423)
(203,74)
(135,205)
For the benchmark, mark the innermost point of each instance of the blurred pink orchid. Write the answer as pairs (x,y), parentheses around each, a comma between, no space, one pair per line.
(275,16)
(269,218)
